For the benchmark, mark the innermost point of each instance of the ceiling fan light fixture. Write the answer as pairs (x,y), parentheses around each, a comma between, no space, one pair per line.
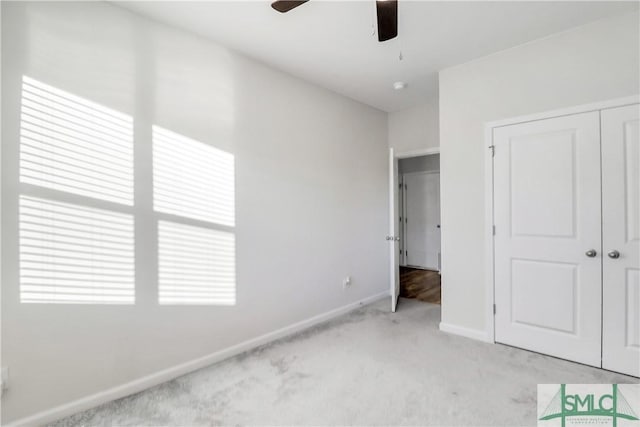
(400,85)
(284,6)
(387,11)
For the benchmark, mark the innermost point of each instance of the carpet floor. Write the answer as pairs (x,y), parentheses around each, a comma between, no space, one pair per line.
(368,367)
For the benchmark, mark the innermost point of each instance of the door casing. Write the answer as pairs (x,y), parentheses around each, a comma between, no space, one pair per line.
(394,157)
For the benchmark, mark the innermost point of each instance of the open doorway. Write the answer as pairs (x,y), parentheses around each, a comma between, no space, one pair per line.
(419,227)
(414,226)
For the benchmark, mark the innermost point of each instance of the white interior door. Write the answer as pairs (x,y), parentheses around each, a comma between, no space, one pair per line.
(422,219)
(547,239)
(392,238)
(621,239)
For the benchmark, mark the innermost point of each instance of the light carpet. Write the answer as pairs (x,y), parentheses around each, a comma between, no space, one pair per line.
(368,367)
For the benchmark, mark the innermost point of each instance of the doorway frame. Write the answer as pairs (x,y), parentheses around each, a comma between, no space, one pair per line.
(405,155)
(489,222)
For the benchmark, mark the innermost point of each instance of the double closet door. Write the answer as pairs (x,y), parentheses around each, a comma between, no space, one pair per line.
(567,237)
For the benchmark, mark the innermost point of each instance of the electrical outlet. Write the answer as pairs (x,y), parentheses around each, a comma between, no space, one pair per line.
(4,379)
(346,282)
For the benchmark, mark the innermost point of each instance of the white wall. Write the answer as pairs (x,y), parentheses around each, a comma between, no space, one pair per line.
(595,62)
(311,196)
(414,128)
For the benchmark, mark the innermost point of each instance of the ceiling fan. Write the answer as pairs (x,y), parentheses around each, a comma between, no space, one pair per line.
(387,11)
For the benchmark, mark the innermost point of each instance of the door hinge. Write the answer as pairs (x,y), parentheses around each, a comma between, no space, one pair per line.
(493,150)
(494,309)
(493,230)
(405,186)
(406,253)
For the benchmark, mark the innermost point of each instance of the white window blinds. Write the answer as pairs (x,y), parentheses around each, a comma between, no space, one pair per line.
(73,145)
(194,184)
(197,265)
(76,158)
(74,254)
(192,179)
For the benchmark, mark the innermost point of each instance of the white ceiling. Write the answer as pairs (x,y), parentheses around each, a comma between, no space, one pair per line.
(331,43)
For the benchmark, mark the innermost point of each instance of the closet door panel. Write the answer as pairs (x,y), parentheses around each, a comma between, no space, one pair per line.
(621,239)
(547,217)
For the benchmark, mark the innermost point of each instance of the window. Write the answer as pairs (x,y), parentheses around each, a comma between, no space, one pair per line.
(76,207)
(76,179)
(194,193)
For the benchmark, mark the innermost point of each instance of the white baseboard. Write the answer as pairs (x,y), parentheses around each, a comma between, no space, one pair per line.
(476,334)
(168,374)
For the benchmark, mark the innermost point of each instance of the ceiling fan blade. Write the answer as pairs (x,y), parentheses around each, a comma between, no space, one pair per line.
(283,6)
(387,19)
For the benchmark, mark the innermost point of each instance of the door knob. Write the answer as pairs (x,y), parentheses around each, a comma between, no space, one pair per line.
(614,254)
(397,239)
(591,253)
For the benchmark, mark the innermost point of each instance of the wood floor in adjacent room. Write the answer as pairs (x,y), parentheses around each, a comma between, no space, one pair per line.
(423,285)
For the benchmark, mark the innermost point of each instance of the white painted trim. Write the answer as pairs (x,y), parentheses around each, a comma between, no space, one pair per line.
(417,153)
(168,374)
(595,106)
(488,172)
(475,334)
(406,155)
(488,236)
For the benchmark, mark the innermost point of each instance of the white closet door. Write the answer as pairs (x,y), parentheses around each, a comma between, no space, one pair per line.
(621,238)
(547,217)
